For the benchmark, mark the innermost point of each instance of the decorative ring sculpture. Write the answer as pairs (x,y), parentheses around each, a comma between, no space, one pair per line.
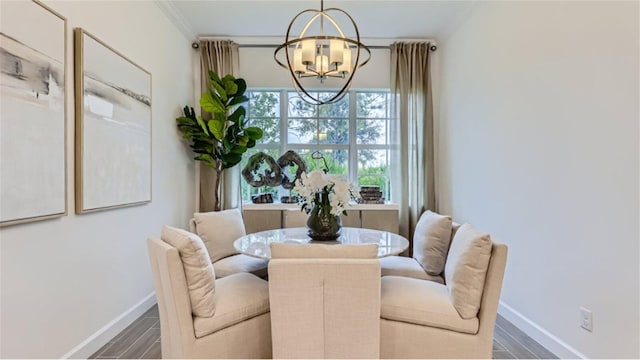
(291,158)
(272,176)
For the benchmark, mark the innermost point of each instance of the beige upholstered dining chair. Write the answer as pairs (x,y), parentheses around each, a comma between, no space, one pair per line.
(426,319)
(325,301)
(201,317)
(218,230)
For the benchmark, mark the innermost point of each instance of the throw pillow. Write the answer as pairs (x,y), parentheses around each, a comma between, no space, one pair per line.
(466,269)
(198,270)
(431,241)
(218,230)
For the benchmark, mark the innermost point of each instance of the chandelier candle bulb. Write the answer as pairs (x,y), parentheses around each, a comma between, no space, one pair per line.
(298,66)
(345,68)
(308,51)
(336,52)
(322,65)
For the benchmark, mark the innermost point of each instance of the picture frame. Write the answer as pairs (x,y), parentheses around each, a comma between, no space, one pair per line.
(113,127)
(33,98)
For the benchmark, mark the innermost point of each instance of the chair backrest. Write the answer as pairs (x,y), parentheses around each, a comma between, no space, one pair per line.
(294,218)
(174,305)
(492,288)
(325,307)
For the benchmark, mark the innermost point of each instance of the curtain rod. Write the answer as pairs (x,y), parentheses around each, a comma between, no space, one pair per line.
(269,46)
(273,41)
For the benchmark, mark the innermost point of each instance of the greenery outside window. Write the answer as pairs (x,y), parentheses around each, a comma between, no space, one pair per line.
(352,134)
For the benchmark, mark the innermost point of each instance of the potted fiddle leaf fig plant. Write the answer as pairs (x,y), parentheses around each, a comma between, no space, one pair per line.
(221,136)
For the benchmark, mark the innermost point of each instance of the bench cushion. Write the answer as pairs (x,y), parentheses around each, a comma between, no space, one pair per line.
(405,266)
(238,297)
(240,263)
(422,302)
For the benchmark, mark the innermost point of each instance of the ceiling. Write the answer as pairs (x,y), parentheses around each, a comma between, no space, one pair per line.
(399,19)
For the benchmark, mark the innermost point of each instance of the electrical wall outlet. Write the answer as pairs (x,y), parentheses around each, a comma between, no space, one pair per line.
(586,319)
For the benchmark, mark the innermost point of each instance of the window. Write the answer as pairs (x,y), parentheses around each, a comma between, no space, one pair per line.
(352,134)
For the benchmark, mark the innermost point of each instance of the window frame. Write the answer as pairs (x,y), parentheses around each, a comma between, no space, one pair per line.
(352,147)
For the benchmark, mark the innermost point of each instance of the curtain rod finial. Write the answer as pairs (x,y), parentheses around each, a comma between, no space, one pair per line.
(195,45)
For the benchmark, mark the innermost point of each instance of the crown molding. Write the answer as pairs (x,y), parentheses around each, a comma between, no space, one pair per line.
(177,19)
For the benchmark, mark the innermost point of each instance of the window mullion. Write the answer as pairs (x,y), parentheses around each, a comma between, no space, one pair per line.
(284,120)
(353,129)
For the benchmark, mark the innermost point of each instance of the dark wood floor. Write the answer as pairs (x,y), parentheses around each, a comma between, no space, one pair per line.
(141,340)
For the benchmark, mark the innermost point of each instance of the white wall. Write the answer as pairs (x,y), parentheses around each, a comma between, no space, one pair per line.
(64,280)
(259,69)
(539,146)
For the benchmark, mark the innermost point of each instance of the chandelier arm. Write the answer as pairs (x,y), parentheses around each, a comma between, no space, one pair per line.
(306,26)
(299,87)
(333,22)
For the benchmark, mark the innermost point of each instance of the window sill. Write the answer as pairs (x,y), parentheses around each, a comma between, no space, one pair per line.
(280,206)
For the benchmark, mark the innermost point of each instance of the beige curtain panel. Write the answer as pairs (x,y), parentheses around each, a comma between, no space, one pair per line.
(220,56)
(413,152)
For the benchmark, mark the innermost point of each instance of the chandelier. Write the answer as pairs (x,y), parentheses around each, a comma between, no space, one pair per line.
(328,54)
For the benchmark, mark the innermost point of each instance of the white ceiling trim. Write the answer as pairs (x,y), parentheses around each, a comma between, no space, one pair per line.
(176,17)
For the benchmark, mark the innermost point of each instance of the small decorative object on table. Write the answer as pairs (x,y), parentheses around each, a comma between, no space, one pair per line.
(289,199)
(324,197)
(371,194)
(263,198)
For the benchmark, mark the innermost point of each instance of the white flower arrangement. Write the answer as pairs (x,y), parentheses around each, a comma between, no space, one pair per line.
(319,189)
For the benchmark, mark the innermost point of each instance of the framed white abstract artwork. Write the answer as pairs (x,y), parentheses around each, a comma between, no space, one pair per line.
(33,171)
(113,127)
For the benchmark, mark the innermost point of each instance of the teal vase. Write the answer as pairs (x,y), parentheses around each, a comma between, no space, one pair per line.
(321,223)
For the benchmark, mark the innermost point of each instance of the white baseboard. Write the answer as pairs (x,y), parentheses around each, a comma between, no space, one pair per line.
(94,342)
(554,344)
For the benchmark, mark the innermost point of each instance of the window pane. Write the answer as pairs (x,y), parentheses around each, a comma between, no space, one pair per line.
(248,190)
(371,132)
(300,108)
(373,162)
(333,131)
(337,160)
(264,104)
(302,131)
(270,129)
(339,109)
(372,105)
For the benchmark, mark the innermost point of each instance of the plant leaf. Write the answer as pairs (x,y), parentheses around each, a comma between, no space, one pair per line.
(214,77)
(238,115)
(230,87)
(237,100)
(217,128)
(220,90)
(230,160)
(243,140)
(242,86)
(238,149)
(253,132)
(211,103)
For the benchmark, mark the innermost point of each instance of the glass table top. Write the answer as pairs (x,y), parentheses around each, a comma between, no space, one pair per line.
(257,244)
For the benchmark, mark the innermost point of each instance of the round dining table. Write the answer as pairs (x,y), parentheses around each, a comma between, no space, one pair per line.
(257,244)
